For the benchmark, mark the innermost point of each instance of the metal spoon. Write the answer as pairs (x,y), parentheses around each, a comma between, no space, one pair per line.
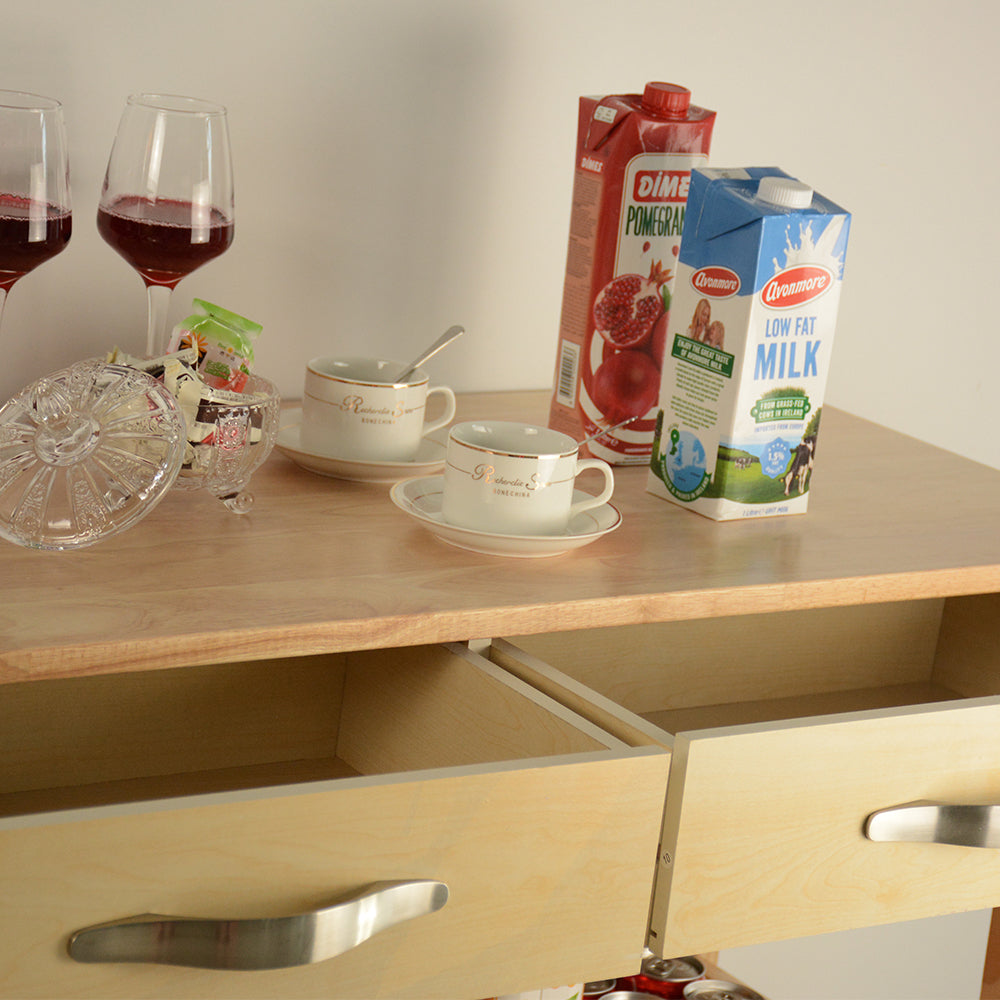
(607,430)
(443,341)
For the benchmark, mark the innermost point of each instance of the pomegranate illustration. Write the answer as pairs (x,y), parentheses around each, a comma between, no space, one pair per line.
(629,305)
(626,385)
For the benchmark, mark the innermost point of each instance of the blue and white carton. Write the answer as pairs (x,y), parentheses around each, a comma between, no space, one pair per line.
(751,332)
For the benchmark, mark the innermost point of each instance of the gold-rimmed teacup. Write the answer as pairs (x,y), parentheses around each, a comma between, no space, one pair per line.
(354,408)
(511,478)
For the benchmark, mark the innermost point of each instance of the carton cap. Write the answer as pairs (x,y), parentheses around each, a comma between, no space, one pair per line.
(785,192)
(667,99)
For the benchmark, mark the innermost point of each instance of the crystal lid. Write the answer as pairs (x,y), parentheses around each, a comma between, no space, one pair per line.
(85,453)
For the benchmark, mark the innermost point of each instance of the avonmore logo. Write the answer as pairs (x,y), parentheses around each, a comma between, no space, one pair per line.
(796,285)
(661,185)
(716,282)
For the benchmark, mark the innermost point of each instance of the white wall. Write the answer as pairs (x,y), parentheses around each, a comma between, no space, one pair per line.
(405,165)
(940,958)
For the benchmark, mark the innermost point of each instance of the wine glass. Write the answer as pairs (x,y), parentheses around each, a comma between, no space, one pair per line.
(167,201)
(35,214)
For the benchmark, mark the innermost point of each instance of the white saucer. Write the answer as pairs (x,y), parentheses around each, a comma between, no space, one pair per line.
(421,499)
(429,457)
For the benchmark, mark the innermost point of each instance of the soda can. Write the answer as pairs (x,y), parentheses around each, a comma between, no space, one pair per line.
(717,989)
(625,995)
(573,992)
(667,977)
(600,988)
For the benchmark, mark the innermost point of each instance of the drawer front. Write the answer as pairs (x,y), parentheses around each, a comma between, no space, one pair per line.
(764,825)
(546,881)
(549,865)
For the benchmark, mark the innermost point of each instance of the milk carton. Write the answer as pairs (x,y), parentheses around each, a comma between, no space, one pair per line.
(751,333)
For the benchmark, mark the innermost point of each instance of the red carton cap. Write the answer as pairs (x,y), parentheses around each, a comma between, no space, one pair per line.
(667,99)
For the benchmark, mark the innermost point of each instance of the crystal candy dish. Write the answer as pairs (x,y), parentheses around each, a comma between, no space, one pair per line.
(227,441)
(88,451)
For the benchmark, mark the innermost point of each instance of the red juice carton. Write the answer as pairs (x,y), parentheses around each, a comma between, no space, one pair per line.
(754,314)
(634,157)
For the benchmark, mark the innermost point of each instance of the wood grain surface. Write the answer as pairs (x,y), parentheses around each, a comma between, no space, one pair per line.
(321,565)
(764,825)
(521,907)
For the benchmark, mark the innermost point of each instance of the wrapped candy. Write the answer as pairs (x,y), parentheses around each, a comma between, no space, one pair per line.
(224,342)
(207,371)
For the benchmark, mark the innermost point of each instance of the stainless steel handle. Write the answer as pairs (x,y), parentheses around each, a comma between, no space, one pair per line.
(267,943)
(934,823)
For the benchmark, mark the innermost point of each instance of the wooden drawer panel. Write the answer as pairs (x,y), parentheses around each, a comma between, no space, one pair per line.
(763,834)
(457,772)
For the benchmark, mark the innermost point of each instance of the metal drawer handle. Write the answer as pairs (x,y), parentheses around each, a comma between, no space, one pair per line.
(930,823)
(268,943)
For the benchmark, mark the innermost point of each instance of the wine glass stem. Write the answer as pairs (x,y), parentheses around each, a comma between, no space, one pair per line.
(3,302)
(156,332)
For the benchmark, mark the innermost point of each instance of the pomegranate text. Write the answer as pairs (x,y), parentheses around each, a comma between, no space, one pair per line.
(654,220)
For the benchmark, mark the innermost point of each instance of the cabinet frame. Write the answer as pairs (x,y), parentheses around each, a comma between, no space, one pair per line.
(323,567)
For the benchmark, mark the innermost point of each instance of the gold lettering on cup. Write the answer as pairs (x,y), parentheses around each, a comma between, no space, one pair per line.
(373,414)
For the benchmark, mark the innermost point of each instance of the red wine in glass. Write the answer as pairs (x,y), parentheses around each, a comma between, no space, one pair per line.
(166,205)
(35,216)
(31,233)
(164,239)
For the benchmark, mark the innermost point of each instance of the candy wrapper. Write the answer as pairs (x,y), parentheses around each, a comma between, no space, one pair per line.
(224,343)
(153,366)
(206,370)
(203,407)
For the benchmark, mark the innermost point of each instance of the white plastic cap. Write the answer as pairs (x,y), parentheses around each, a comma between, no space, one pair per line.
(784,192)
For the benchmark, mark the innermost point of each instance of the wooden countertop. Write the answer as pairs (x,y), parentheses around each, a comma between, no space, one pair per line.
(322,565)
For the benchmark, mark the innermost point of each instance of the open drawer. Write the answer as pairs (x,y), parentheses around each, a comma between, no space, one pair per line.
(787,732)
(248,796)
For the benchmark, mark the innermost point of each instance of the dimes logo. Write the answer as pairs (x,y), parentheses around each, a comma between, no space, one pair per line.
(716,282)
(662,185)
(796,285)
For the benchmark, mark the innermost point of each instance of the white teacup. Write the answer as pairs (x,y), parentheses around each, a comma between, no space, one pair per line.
(353,408)
(515,479)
